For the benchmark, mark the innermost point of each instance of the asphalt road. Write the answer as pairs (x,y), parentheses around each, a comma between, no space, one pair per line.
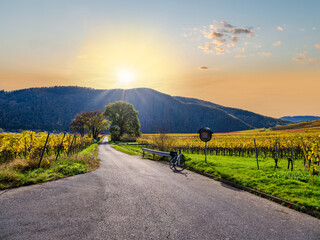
(133,198)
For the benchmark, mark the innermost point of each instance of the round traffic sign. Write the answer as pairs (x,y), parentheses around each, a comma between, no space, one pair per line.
(205,134)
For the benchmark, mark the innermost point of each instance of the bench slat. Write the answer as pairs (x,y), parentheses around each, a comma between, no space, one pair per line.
(165,154)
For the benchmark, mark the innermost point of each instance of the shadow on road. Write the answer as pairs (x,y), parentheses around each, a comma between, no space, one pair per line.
(230,187)
(180,172)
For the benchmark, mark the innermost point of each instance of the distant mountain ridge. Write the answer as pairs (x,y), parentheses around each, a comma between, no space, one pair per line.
(53,108)
(300,118)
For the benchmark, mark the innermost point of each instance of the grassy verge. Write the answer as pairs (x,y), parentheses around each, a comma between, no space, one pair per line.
(294,186)
(19,172)
(130,149)
(126,150)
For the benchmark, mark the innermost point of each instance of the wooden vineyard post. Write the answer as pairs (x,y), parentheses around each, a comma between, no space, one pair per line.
(60,146)
(255,148)
(44,148)
(75,143)
(25,148)
(276,149)
(292,157)
(74,136)
(306,159)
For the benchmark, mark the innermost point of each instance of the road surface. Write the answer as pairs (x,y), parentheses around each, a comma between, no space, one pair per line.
(133,198)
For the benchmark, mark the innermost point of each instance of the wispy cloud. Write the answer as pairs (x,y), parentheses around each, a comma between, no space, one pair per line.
(240,56)
(304,54)
(303,58)
(313,60)
(227,25)
(314,28)
(298,59)
(317,46)
(240,30)
(203,68)
(218,41)
(205,48)
(234,38)
(265,54)
(223,36)
(276,44)
(215,35)
(219,48)
(280,28)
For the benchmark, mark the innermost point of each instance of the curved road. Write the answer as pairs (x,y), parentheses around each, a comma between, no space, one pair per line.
(132,198)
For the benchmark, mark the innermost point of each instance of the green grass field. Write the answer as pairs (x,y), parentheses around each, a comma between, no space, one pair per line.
(294,186)
(19,172)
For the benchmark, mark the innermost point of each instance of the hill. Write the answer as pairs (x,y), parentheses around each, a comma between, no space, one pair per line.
(53,108)
(300,118)
(308,125)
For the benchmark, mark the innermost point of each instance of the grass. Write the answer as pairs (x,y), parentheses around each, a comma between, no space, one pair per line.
(294,186)
(20,172)
(130,149)
(126,150)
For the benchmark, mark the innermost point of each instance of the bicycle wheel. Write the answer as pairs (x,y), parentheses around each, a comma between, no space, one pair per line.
(180,163)
(172,162)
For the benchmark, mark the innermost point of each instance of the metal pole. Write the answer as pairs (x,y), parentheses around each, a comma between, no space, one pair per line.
(205,153)
(255,148)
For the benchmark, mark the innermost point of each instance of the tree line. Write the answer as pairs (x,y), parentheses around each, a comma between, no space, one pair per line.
(119,118)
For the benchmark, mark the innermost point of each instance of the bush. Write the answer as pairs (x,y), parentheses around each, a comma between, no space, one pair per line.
(163,142)
(128,138)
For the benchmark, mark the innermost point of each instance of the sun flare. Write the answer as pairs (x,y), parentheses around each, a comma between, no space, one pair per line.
(125,76)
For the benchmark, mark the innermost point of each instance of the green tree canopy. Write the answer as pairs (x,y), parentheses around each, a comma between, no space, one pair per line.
(124,119)
(79,124)
(91,121)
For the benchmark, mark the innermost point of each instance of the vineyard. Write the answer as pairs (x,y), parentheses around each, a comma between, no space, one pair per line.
(265,143)
(31,145)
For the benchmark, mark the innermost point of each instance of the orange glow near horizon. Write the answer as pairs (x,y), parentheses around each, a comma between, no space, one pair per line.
(270,94)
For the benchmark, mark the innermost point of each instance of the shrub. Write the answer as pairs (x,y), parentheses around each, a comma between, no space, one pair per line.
(163,142)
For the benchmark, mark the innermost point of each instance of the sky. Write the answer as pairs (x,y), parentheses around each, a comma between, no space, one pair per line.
(261,56)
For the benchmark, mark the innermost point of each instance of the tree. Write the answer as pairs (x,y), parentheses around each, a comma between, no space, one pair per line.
(96,122)
(124,119)
(79,124)
(91,121)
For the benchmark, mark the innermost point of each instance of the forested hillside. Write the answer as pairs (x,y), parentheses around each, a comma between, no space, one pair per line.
(53,108)
(300,118)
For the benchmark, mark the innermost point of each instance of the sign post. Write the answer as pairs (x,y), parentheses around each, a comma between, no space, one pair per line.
(205,135)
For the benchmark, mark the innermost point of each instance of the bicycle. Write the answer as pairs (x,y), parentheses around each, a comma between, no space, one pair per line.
(177,161)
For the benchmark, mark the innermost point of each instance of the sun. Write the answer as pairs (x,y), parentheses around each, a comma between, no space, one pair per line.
(125,76)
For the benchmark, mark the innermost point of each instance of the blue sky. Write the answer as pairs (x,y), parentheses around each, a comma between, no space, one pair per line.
(270,65)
